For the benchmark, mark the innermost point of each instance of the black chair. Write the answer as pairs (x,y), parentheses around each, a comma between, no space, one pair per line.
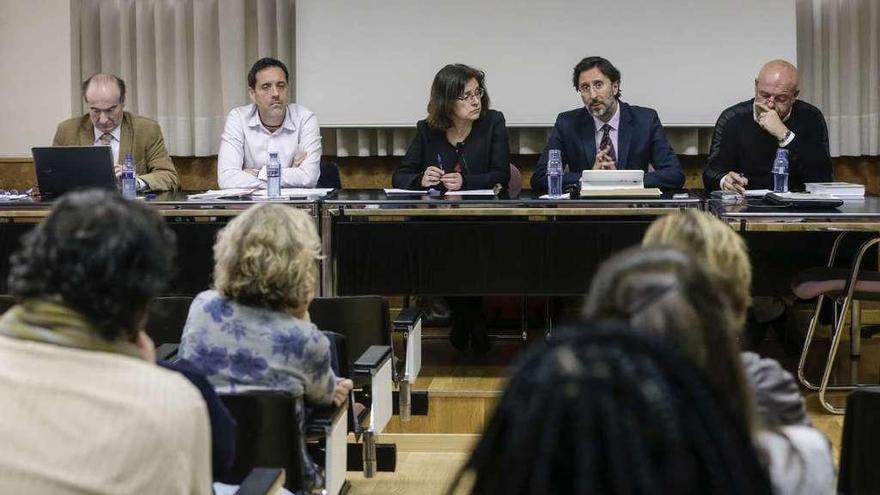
(365,323)
(166,317)
(269,435)
(329,176)
(6,302)
(860,449)
(262,481)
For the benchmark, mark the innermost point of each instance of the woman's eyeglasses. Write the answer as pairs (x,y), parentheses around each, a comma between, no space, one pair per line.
(478,93)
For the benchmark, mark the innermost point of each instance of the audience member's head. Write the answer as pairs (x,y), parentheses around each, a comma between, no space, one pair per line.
(99,254)
(458,92)
(267,257)
(715,244)
(667,293)
(603,410)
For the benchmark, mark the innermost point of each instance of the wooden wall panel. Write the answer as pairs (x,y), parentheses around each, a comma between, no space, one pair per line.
(200,173)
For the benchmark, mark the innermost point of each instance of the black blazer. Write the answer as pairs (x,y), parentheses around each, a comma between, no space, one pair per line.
(640,141)
(483,157)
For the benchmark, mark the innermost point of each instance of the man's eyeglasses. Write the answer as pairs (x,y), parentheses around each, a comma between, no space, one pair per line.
(478,93)
(588,88)
(776,99)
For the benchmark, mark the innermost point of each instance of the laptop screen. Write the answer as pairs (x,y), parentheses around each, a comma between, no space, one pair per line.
(60,169)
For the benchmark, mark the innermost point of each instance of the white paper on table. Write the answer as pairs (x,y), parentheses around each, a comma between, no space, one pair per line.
(472,192)
(221,193)
(296,192)
(757,193)
(404,191)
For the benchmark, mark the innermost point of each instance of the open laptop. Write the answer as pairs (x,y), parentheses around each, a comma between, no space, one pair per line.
(64,168)
(612,179)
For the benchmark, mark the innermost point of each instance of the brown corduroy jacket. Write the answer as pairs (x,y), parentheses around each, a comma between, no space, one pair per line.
(139,136)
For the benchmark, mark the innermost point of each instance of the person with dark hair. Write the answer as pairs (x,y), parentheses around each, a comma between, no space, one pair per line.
(747,135)
(271,124)
(600,409)
(668,293)
(86,409)
(462,144)
(108,124)
(803,453)
(608,134)
(665,292)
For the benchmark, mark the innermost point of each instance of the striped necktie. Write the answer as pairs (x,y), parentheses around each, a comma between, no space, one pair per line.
(606,143)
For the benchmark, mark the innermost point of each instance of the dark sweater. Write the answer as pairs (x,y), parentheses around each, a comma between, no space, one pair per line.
(741,145)
(484,160)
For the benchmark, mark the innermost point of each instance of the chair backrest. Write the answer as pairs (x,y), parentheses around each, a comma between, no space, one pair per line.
(6,302)
(363,320)
(268,435)
(166,317)
(860,448)
(514,186)
(329,176)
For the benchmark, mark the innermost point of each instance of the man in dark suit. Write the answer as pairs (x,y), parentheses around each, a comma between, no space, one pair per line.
(608,134)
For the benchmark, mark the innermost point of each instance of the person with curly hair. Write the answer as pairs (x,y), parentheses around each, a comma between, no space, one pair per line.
(86,409)
(602,409)
(252,331)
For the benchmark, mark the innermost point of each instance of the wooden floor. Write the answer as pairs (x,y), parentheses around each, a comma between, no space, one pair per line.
(463,390)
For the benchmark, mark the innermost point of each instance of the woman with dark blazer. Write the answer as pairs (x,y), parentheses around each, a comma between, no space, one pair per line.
(461,145)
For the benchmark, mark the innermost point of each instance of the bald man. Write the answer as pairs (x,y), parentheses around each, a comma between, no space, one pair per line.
(748,134)
(108,124)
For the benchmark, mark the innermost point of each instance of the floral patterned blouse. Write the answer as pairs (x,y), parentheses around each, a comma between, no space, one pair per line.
(243,348)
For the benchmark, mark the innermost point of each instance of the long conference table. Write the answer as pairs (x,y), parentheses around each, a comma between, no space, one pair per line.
(473,245)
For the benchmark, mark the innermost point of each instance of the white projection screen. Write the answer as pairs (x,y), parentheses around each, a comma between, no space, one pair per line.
(370,63)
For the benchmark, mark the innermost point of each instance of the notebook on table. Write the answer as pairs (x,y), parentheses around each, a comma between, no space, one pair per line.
(66,168)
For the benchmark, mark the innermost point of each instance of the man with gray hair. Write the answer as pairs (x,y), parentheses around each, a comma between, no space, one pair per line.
(108,124)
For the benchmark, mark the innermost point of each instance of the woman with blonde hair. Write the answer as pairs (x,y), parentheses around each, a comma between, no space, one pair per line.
(798,455)
(252,331)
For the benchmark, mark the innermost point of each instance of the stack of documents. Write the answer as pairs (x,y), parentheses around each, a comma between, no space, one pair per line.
(842,190)
(260,194)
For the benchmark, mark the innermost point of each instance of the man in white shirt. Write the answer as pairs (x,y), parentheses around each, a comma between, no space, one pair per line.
(269,124)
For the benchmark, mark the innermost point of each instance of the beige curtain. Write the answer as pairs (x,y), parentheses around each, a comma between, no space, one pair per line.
(185,63)
(839,60)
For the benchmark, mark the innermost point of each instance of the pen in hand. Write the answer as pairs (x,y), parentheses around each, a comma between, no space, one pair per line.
(433,173)
(735,181)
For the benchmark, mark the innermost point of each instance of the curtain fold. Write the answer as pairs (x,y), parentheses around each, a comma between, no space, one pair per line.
(839,61)
(185,63)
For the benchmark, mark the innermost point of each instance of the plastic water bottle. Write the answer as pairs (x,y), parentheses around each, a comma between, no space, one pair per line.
(780,171)
(554,174)
(273,176)
(129,178)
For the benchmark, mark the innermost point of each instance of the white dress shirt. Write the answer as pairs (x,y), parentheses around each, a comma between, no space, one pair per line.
(114,143)
(246,144)
(614,122)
